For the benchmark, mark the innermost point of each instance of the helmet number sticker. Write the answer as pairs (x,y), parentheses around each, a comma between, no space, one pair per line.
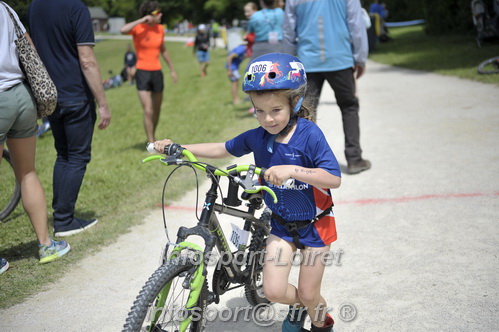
(260,67)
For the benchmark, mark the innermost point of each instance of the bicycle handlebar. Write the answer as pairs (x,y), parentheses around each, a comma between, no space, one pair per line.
(175,152)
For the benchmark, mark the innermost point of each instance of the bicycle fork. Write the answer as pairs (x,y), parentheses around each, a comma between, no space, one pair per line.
(194,283)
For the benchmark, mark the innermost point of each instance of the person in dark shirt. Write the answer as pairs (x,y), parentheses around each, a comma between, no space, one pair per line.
(201,48)
(63,35)
(130,61)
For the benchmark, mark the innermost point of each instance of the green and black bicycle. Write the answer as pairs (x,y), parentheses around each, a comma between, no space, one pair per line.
(176,295)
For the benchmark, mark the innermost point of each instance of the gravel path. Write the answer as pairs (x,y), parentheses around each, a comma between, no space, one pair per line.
(419,249)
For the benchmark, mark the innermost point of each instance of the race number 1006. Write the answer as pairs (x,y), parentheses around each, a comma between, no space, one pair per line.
(260,67)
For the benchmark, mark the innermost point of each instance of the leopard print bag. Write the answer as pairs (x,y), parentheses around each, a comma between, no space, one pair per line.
(42,86)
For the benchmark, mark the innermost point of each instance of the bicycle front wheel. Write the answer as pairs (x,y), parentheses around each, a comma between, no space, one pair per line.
(489,66)
(162,304)
(10,190)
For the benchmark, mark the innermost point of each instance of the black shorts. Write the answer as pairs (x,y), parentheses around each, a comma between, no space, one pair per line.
(147,80)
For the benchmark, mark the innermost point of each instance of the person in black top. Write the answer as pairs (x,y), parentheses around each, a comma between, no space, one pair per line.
(130,61)
(201,48)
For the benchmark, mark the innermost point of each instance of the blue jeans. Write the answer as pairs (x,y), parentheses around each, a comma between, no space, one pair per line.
(72,125)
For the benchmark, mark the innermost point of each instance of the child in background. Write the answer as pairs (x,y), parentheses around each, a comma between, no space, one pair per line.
(234,60)
(249,9)
(290,146)
(201,48)
(130,62)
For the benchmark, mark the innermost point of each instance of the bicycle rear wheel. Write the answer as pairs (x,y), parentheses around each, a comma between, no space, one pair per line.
(161,304)
(254,291)
(489,66)
(10,190)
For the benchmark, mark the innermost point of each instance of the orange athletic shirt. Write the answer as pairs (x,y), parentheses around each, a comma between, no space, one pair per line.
(147,41)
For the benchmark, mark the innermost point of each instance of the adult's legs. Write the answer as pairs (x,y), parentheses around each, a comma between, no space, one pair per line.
(315,81)
(343,84)
(204,67)
(157,99)
(72,126)
(18,128)
(22,151)
(147,105)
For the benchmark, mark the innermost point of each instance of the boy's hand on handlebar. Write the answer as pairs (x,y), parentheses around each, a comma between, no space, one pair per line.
(277,175)
(160,146)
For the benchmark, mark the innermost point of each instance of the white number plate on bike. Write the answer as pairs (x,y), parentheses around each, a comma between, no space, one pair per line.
(239,237)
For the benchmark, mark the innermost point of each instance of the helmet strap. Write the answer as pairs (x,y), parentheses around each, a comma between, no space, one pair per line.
(270,143)
(298,105)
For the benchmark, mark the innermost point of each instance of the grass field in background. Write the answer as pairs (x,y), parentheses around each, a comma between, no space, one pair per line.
(456,55)
(120,191)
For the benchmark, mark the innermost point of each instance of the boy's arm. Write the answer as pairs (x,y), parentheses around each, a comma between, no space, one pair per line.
(208,150)
(201,150)
(316,177)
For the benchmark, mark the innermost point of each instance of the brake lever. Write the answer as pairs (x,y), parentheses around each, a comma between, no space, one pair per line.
(256,189)
(172,160)
(247,182)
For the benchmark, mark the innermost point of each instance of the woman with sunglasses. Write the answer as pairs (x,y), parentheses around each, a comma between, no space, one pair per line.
(148,38)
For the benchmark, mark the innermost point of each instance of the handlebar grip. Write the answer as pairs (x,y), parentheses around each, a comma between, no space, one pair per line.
(150,147)
(169,149)
(173,149)
(289,183)
(262,172)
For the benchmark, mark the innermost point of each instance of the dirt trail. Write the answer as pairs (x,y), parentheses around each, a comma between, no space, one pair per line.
(418,232)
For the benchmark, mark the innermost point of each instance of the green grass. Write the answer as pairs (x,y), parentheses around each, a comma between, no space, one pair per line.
(119,190)
(455,55)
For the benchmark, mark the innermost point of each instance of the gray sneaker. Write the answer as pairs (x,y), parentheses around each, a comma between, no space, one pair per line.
(56,250)
(359,166)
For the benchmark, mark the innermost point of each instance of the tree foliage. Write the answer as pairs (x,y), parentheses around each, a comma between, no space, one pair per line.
(448,16)
(442,16)
(196,11)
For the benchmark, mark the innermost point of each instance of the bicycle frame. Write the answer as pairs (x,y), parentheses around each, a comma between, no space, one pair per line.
(209,229)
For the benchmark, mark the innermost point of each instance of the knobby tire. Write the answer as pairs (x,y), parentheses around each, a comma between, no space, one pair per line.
(174,271)
(254,293)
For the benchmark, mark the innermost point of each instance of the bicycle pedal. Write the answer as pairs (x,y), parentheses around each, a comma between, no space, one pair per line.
(213,298)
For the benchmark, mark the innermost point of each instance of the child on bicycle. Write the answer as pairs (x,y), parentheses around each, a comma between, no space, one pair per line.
(290,146)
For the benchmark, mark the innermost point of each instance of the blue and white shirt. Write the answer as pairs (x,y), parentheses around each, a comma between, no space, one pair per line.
(307,148)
